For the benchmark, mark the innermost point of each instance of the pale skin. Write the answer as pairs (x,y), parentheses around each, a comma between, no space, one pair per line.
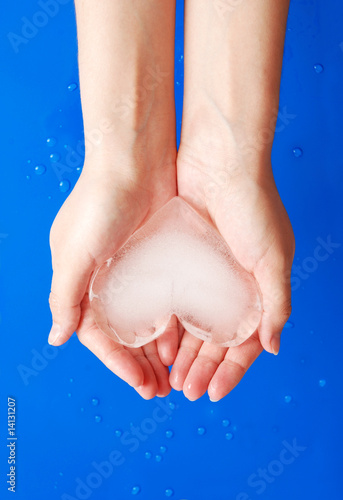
(233,59)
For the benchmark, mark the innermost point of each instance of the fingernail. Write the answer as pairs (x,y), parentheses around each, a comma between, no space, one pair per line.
(213,400)
(55,334)
(275,344)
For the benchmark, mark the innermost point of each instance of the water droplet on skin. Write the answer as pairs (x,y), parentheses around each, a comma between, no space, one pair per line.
(289,324)
(201,431)
(135,490)
(118,433)
(297,152)
(169,492)
(229,436)
(148,454)
(158,458)
(97,418)
(318,68)
(54,157)
(226,423)
(322,383)
(51,142)
(169,434)
(163,449)
(64,186)
(288,399)
(40,169)
(72,87)
(95,401)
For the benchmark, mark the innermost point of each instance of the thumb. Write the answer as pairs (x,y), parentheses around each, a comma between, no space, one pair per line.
(69,284)
(276,293)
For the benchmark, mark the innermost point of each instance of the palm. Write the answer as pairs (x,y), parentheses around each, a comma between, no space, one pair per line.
(97,218)
(254,223)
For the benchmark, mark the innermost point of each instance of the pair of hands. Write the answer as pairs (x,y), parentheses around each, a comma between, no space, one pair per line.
(107,205)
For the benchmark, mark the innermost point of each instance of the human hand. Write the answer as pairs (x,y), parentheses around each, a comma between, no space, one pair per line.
(248,212)
(101,213)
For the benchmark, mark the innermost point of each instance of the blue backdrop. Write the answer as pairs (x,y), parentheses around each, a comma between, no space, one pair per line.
(83,433)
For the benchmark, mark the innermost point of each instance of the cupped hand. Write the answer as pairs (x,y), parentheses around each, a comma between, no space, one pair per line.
(247,210)
(101,213)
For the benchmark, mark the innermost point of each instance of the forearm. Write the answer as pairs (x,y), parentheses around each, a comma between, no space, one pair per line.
(126,60)
(233,60)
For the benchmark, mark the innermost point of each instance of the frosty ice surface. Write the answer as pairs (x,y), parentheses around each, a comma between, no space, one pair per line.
(175,264)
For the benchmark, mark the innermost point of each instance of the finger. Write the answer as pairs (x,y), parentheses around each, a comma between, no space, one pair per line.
(69,284)
(276,293)
(202,370)
(148,389)
(112,354)
(160,370)
(187,353)
(167,343)
(233,367)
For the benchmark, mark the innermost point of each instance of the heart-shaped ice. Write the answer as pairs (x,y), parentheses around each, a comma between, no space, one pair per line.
(175,264)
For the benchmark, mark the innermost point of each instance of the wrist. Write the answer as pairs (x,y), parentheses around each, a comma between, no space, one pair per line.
(222,147)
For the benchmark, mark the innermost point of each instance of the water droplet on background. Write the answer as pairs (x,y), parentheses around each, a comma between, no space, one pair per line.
(318,68)
(28,177)
(64,186)
(54,157)
(69,394)
(322,382)
(158,458)
(95,401)
(163,449)
(40,169)
(229,436)
(169,492)
(135,490)
(118,433)
(169,434)
(289,324)
(72,87)
(172,405)
(51,142)
(201,431)
(288,398)
(226,423)
(148,454)
(98,419)
(71,380)
(297,152)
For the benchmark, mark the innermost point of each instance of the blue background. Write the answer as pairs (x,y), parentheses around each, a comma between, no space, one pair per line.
(295,396)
